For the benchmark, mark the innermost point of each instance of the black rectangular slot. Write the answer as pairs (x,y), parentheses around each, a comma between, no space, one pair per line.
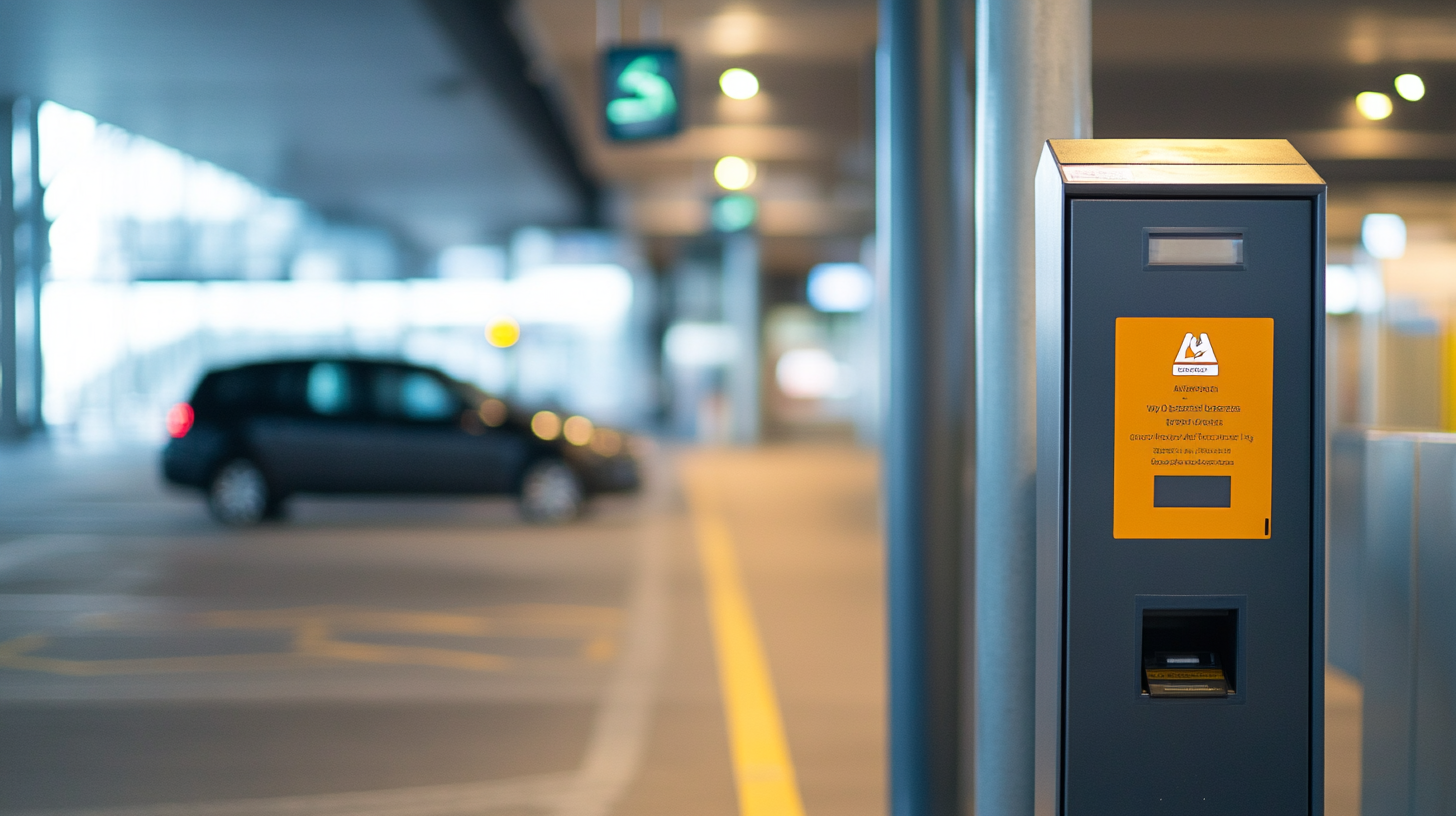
(1189,652)
(1192,491)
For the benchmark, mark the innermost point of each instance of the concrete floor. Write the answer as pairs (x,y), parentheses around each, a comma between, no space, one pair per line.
(433,657)
(430,656)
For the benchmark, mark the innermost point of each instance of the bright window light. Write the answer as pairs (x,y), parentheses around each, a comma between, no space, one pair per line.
(1342,289)
(377,306)
(700,345)
(123,207)
(1410,87)
(455,302)
(1373,105)
(734,172)
(807,373)
(318,265)
(1383,235)
(738,83)
(840,287)
(472,261)
(583,295)
(1371,288)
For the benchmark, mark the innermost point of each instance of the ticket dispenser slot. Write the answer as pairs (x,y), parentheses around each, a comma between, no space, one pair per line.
(1189,653)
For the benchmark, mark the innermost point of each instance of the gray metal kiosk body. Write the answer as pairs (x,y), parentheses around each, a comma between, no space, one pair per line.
(1180,472)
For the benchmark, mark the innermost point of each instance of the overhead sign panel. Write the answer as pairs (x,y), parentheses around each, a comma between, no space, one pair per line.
(641,92)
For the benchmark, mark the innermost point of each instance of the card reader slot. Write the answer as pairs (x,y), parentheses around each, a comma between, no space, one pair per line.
(1189,652)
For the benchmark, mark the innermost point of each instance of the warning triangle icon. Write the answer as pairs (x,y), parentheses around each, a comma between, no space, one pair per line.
(1195,357)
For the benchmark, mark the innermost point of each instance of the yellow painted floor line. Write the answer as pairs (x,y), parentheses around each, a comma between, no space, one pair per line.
(761,763)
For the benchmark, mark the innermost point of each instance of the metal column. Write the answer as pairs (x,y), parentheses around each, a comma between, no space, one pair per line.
(741,311)
(921,112)
(23,245)
(1033,82)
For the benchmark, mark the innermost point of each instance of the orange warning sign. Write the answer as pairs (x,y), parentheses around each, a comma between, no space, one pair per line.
(1194,453)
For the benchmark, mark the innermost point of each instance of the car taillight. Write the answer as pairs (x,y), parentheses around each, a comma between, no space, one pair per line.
(179,420)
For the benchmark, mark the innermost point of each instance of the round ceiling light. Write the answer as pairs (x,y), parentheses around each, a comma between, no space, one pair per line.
(1373,105)
(1410,87)
(738,83)
(734,172)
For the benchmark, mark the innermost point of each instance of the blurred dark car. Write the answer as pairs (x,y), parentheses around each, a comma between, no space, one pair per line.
(254,435)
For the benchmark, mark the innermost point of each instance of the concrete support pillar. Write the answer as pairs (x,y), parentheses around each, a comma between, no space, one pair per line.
(923,227)
(10,425)
(1033,82)
(23,250)
(741,310)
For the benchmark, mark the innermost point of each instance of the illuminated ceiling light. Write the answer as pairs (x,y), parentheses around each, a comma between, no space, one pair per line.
(740,84)
(503,332)
(578,430)
(1373,104)
(734,173)
(1383,235)
(546,424)
(1410,87)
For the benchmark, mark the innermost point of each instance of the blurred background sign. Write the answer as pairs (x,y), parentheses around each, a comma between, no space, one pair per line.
(641,92)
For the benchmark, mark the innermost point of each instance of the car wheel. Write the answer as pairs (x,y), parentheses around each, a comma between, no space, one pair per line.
(239,495)
(551,493)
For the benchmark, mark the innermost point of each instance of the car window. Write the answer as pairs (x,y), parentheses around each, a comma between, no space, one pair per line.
(224,391)
(328,389)
(413,395)
(238,391)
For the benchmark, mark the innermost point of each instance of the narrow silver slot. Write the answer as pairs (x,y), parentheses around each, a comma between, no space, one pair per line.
(1195,250)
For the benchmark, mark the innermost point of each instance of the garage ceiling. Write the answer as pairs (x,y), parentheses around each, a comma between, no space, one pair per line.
(427,118)
(366,109)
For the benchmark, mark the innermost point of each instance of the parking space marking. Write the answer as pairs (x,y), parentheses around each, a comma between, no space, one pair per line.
(321,636)
(761,762)
(619,734)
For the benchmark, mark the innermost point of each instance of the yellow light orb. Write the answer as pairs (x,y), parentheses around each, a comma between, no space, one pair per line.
(1373,105)
(578,430)
(1410,87)
(493,412)
(738,83)
(503,332)
(606,442)
(546,424)
(734,172)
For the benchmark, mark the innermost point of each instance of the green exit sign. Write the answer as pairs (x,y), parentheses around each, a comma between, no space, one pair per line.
(641,92)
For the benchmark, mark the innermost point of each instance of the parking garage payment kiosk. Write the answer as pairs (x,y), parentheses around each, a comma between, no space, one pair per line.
(1180,473)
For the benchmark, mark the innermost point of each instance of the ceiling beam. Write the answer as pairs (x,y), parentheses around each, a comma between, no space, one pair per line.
(484,33)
